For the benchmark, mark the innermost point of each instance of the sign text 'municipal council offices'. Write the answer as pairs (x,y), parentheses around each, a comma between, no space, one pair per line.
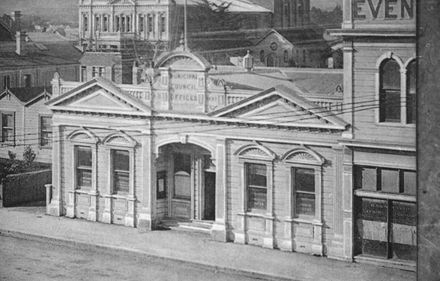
(383,9)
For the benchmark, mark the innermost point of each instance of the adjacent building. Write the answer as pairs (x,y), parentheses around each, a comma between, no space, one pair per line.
(379,197)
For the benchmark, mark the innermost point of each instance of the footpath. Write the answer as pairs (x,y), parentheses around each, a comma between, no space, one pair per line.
(189,247)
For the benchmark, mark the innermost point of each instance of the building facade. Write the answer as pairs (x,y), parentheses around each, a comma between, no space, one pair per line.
(193,144)
(379,199)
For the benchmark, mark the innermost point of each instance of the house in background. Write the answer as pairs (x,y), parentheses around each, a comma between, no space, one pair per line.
(26,121)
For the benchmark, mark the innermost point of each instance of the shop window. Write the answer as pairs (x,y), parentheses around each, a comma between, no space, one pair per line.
(304,187)
(162,185)
(121,171)
(385,217)
(45,131)
(8,127)
(256,179)
(83,167)
(389,93)
(411,93)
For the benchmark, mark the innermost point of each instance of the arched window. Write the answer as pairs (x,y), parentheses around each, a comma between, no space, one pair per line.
(262,58)
(389,94)
(411,93)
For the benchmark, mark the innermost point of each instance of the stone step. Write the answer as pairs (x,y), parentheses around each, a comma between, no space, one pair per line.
(199,226)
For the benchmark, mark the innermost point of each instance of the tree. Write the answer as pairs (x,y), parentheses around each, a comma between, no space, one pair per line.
(209,16)
(327,19)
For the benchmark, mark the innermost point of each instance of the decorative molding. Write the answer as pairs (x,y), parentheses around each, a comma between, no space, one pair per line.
(303,155)
(88,136)
(256,151)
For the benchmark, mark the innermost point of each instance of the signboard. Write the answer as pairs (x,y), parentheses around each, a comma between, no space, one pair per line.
(383,9)
(184,82)
(374,210)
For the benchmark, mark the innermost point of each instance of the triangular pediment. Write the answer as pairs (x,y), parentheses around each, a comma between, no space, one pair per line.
(282,106)
(99,96)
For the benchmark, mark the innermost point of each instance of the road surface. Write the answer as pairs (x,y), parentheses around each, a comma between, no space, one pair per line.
(35,260)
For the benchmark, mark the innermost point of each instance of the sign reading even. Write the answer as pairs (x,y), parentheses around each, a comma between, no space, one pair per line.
(383,9)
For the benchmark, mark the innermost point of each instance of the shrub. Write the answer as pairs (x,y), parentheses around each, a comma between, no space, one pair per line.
(12,155)
(28,156)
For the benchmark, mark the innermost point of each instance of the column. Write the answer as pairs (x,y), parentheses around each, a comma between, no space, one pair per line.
(403,92)
(148,199)
(348,101)
(55,207)
(93,208)
(268,239)
(131,199)
(347,204)
(219,229)
(108,201)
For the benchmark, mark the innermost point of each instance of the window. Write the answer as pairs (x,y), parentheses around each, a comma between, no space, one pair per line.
(118,25)
(121,171)
(262,57)
(6,82)
(83,73)
(8,127)
(27,80)
(128,28)
(141,23)
(387,180)
(97,23)
(411,93)
(83,167)
(304,186)
(150,23)
(385,212)
(182,176)
(86,23)
(122,24)
(45,131)
(162,185)
(256,181)
(94,71)
(389,93)
(162,24)
(286,56)
(101,71)
(105,25)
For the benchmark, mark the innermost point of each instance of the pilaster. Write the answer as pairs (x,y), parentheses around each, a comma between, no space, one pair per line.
(347,204)
(55,206)
(219,229)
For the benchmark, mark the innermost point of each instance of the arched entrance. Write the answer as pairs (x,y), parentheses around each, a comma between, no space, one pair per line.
(185,182)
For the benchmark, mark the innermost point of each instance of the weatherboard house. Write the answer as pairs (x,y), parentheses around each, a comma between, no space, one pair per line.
(245,153)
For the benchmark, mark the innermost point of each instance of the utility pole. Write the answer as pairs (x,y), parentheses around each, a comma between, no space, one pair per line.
(185,26)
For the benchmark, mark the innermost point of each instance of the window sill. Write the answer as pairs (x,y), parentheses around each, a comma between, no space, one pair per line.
(125,196)
(257,215)
(84,191)
(395,124)
(45,147)
(305,220)
(386,196)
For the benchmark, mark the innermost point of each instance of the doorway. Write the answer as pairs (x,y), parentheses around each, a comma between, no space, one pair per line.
(209,203)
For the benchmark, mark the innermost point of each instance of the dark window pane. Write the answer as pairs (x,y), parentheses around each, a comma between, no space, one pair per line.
(256,175)
(411,93)
(305,180)
(404,234)
(390,75)
(257,198)
(121,160)
(390,106)
(409,182)
(411,108)
(182,162)
(84,178)
(162,185)
(369,179)
(8,120)
(390,180)
(46,138)
(84,156)
(121,181)
(305,204)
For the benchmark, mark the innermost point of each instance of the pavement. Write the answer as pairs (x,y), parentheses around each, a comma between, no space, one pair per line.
(190,247)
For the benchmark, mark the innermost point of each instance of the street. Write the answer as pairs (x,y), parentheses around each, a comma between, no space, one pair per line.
(34,260)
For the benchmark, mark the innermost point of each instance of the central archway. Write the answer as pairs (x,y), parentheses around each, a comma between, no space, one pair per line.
(185,182)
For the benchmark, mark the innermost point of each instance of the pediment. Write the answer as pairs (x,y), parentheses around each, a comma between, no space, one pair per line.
(99,97)
(113,2)
(282,107)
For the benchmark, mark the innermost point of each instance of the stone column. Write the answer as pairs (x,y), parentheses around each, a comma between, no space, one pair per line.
(347,203)
(55,207)
(148,198)
(219,229)
(348,103)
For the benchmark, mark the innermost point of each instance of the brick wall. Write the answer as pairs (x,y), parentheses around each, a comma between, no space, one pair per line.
(24,188)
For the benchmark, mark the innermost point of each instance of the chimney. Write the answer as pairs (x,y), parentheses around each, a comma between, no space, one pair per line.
(16,16)
(248,62)
(20,38)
